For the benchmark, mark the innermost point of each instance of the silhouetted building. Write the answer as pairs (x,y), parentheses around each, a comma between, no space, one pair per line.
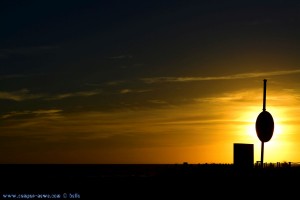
(243,155)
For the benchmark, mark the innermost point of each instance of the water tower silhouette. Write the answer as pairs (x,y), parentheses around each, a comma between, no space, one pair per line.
(264,125)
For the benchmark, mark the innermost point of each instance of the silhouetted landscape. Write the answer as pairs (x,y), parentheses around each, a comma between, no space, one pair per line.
(134,179)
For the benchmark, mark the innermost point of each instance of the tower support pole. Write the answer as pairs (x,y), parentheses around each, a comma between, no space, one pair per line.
(262,155)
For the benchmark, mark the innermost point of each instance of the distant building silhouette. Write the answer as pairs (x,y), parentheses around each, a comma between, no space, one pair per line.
(243,155)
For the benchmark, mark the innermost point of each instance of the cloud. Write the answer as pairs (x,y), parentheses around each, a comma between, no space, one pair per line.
(236,96)
(75,94)
(50,113)
(126,91)
(211,78)
(156,101)
(20,95)
(24,94)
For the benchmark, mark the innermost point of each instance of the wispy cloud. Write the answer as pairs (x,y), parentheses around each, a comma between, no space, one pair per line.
(237,96)
(53,113)
(25,94)
(74,94)
(20,95)
(115,82)
(228,77)
(156,101)
(126,91)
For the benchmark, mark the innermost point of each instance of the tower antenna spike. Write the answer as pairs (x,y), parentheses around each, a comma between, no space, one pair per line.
(264,95)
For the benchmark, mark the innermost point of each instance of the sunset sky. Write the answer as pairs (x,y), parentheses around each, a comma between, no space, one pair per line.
(147,81)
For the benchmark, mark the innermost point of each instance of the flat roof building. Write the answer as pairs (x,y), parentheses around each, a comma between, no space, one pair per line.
(243,155)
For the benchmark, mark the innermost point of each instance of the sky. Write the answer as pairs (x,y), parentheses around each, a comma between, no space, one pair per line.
(147,82)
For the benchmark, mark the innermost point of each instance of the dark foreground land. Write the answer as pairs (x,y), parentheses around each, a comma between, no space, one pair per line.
(149,180)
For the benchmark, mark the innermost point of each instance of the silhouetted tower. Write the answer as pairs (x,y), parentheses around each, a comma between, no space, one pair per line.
(264,125)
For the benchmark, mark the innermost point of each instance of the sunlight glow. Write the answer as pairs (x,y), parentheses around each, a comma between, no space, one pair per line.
(277,147)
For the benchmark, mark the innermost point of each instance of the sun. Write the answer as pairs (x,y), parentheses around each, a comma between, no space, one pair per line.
(273,148)
(285,113)
(277,129)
